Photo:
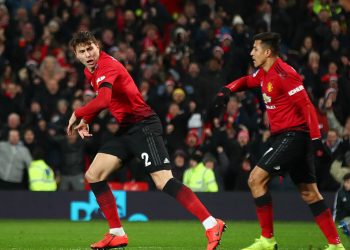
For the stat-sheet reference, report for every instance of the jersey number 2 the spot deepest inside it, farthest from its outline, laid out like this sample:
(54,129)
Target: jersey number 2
(144,156)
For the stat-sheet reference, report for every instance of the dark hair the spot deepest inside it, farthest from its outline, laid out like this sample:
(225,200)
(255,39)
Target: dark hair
(82,37)
(269,39)
(196,157)
(38,153)
(346,177)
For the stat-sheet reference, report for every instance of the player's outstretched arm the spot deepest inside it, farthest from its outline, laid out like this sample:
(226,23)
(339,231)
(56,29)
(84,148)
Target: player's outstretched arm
(219,101)
(222,97)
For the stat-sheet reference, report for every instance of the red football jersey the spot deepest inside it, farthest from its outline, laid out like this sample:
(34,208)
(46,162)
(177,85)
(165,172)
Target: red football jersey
(287,103)
(127,104)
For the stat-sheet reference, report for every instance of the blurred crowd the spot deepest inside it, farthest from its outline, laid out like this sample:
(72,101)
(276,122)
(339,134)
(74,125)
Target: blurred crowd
(180,53)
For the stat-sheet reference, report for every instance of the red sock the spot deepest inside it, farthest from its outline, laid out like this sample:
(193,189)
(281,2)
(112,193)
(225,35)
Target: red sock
(325,222)
(265,217)
(107,203)
(190,201)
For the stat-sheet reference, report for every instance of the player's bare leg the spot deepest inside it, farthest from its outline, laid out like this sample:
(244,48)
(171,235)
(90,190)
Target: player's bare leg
(165,181)
(322,214)
(102,166)
(257,182)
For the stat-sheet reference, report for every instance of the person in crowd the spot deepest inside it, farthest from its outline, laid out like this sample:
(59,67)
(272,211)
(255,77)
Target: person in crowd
(13,122)
(334,148)
(71,170)
(29,140)
(198,177)
(342,200)
(14,162)
(212,163)
(179,164)
(41,176)
(339,169)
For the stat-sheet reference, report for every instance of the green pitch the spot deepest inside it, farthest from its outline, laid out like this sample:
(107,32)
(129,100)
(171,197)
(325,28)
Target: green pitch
(156,235)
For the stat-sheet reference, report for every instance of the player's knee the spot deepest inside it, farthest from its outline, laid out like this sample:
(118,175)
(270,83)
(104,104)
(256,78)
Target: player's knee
(161,178)
(91,177)
(309,196)
(160,186)
(253,182)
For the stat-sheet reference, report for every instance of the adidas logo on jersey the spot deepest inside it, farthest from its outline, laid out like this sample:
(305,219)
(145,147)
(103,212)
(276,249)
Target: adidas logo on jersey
(277,168)
(166,161)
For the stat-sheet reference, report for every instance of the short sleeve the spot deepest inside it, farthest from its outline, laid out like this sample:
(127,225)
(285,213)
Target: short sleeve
(107,73)
(255,79)
(293,86)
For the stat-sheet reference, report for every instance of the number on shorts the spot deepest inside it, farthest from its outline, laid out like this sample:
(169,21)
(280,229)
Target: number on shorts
(144,156)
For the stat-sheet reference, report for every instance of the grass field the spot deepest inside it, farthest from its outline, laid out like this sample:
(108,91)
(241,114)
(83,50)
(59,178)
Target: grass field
(157,235)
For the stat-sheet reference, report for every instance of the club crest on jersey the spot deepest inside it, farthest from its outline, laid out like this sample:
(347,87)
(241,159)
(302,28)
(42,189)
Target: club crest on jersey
(269,87)
(266,98)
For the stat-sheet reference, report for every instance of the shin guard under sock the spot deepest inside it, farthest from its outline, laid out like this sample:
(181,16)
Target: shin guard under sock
(107,203)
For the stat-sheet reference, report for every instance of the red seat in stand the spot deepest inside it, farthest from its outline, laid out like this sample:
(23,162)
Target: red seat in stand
(136,186)
(115,185)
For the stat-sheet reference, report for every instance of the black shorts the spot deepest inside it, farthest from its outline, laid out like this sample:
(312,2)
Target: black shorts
(290,152)
(143,140)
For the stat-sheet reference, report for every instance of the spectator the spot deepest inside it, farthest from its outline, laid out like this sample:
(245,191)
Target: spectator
(51,69)
(179,164)
(71,171)
(13,122)
(60,118)
(236,115)
(210,162)
(198,177)
(338,171)
(331,77)
(14,162)
(29,140)
(192,143)
(215,78)
(332,53)
(34,114)
(14,99)
(179,97)
(41,176)
(196,80)
(176,127)
(342,200)
(305,49)
(312,73)
(334,112)
(244,160)
(333,148)
(23,45)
